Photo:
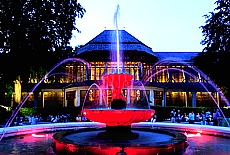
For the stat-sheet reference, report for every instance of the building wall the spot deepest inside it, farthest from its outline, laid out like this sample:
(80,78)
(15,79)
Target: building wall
(141,71)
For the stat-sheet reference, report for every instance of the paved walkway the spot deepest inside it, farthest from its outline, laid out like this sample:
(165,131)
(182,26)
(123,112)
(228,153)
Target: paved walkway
(48,127)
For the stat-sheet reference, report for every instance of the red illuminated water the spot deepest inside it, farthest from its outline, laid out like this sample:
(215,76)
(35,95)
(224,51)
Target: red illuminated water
(122,117)
(198,145)
(117,83)
(113,117)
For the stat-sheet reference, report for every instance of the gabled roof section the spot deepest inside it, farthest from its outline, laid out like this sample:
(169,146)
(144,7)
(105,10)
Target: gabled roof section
(180,56)
(109,36)
(106,41)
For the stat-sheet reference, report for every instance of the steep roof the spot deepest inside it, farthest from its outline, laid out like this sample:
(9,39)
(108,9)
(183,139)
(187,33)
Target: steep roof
(106,41)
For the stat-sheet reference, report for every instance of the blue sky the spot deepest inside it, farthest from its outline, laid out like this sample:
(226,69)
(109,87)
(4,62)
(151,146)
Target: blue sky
(163,25)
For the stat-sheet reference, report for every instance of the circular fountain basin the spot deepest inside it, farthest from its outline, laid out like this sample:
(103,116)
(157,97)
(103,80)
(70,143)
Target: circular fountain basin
(150,141)
(122,117)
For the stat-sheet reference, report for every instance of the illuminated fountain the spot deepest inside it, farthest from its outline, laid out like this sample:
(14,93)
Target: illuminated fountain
(120,118)
(118,136)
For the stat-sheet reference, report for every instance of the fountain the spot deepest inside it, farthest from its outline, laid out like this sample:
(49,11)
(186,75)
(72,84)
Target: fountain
(118,136)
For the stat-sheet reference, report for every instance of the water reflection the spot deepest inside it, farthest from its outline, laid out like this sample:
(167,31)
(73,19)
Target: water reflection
(26,145)
(205,144)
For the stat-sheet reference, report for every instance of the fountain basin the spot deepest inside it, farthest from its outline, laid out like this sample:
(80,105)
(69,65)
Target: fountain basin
(212,136)
(150,141)
(122,117)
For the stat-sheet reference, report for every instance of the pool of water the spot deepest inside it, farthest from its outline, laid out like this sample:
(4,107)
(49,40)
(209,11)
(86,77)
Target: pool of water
(37,145)
(208,145)
(26,145)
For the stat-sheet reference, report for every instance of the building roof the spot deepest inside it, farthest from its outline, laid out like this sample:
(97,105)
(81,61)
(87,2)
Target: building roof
(178,56)
(106,41)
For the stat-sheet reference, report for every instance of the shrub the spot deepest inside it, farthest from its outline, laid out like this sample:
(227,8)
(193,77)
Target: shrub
(28,111)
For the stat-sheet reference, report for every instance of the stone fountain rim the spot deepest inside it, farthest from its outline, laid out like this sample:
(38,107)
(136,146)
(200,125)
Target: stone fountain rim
(125,109)
(178,138)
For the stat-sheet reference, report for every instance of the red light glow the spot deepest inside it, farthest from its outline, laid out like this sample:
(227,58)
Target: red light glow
(118,117)
(117,82)
(39,135)
(192,135)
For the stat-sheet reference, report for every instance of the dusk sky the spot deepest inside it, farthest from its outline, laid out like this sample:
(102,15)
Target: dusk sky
(163,25)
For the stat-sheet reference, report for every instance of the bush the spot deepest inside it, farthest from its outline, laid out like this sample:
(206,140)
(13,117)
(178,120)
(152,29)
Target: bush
(28,111)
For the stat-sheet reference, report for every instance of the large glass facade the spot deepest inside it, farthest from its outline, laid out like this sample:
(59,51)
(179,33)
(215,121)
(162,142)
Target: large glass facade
(160,73)
(175,73)
(98,69)
(75,73)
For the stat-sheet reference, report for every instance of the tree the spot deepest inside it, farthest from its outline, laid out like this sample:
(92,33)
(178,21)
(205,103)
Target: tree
(216,32)
(32,30)
(31,33)
(215,56)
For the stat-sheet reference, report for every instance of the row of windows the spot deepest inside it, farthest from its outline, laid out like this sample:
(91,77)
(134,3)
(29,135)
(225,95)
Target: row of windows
(140,71)
(173,98)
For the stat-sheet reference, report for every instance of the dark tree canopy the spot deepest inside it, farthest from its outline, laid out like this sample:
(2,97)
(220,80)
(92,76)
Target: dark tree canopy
(215,57)
(216,32)
(32,31)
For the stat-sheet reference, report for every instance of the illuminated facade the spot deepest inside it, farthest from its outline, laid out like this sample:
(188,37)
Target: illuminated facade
(171,86)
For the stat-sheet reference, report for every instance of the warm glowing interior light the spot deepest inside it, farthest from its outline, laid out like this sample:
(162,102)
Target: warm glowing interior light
(17,90)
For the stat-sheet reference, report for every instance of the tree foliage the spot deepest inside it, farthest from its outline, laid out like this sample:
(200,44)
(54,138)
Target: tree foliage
(215,56)
(32,31)
(216,31)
